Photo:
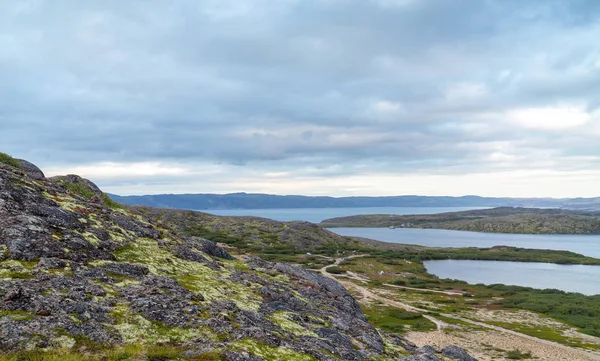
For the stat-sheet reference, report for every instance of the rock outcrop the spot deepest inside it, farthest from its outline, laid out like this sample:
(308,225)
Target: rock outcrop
(81,274)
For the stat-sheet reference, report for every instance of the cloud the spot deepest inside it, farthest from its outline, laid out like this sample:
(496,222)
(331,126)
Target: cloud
(549,118)
(153,94)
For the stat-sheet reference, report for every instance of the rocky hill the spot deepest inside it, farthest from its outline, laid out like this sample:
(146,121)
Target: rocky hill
(249,233)
(82,278)
(497,220)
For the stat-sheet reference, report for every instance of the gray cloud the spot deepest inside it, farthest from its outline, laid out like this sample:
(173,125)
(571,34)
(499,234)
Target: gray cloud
(338,86)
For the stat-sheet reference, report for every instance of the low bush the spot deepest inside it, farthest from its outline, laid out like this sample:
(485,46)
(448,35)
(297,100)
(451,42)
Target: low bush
(7,159)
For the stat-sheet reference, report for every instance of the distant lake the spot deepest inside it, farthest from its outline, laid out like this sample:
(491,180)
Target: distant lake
(582,244)
(570,278)
(316,215)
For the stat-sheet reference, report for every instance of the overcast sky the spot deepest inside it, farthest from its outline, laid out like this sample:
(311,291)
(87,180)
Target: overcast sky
(315,97)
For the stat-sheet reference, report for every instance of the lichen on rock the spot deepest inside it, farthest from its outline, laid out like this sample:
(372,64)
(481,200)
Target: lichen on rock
(78,271)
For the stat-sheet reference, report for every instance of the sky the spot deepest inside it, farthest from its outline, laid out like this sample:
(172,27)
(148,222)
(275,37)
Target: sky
(313,97)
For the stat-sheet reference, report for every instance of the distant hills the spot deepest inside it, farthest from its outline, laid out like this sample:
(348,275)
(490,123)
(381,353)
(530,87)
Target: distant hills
(270,201)
(495,220)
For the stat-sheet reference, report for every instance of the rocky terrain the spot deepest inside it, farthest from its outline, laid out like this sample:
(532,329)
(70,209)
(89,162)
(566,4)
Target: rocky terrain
(83,278)
(252,233)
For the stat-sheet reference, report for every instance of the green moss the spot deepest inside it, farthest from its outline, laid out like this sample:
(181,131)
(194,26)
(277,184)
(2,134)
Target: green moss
(63,342)
(109,202)
(4,252)
(80,188)
(7,159)
(391,348)
(163,352)
(212,284)
(134,328)
(17,315)
(122,353)
(283,320)
(91,238)
(270,353)
(13,269)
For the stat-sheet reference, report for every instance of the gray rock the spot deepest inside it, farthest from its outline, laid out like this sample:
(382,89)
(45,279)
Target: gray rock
(457,353)
(31,169)
(426,349)
(78,272)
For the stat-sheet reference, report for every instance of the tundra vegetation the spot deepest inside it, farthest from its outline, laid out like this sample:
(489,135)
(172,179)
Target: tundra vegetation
(402,266)
(84,278)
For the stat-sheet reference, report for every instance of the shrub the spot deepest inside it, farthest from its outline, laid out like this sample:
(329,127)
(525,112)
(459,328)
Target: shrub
(7,159)
(518,355)
(336,270)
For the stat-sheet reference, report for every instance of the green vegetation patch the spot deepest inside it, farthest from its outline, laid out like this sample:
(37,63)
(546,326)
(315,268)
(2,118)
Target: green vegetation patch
(395,320)
(212,284)
(518,355)
(160,352)
(7,159)
(17,315)
(85,191)
(576,309)
(135,329)
(283,320)
(270,353)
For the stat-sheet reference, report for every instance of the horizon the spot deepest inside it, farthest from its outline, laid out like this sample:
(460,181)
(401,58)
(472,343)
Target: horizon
(336,197)
(319,98)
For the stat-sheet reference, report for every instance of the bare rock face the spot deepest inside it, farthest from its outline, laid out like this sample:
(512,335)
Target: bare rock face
(77,270)
(31,169)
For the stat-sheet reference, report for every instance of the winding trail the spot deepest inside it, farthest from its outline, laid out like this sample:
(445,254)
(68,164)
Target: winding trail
(451,293)
(368,294)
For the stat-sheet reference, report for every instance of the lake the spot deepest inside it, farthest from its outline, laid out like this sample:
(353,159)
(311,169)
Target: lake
(570,278)
(588,245)
(316,215)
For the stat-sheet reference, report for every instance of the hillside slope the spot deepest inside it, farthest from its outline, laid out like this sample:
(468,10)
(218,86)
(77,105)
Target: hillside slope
(250,233)
(91,280)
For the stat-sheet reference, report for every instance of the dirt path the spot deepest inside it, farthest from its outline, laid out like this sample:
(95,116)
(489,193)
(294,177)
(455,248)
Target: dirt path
(370,295)
(545,348)
(323,270)
(451,293)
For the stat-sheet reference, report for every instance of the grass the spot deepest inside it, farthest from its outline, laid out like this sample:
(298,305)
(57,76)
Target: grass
(394,320)
(7,159)
(576,310)
(122,353)
(546,333)
(83,190)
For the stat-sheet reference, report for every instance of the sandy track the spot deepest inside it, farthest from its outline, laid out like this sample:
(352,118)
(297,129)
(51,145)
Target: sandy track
(496,336)
(450,293)
(481,345)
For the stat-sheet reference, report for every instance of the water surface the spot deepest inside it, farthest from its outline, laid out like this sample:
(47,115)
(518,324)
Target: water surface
(570,278)
(582,244)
